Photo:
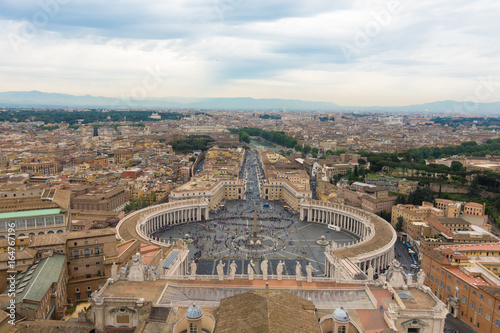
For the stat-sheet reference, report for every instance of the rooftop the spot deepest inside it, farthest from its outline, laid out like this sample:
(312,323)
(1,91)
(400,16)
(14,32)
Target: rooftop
(34,283)
(30,213)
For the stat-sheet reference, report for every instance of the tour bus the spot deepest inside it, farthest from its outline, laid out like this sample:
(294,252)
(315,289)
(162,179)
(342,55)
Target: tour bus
(333,227)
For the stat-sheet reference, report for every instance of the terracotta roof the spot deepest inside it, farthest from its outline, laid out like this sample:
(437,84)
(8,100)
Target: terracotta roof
(475,281)
(91,233)
(495,247)
(62,198)
(438,256)
(451,220)
(495,291)
(46,240)
(474,204)
(439,227)
(27,253)
(271,311)
(53,326)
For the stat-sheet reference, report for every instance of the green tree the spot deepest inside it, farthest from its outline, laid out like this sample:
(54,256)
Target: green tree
(244,137)
(474,189)
(420,195)
(399,224)
(456,166)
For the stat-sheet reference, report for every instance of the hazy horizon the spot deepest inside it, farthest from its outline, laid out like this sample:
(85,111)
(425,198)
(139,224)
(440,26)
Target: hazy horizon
(385,53)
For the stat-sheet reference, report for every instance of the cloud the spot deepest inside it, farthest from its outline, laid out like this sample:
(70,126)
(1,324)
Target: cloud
(348,52)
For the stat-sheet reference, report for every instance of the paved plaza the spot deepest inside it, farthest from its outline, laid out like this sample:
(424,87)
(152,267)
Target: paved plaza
(229,233)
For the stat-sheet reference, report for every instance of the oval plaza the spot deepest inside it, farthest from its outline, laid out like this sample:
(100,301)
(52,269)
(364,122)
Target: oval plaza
(262,242)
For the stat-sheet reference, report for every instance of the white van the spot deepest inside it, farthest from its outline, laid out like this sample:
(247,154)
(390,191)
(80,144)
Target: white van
(333,227)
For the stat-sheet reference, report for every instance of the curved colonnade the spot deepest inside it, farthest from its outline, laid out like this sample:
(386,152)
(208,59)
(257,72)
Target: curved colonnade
(155,218)
(377,237)
(375,247)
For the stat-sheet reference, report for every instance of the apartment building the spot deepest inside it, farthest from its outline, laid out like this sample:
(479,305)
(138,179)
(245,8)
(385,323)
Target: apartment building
(466,278)
(106,199)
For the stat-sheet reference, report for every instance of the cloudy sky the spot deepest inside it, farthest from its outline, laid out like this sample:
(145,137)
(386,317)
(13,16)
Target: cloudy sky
(350,52)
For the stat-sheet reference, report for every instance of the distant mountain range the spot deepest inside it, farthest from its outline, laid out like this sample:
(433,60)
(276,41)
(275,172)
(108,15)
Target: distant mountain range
(41,99)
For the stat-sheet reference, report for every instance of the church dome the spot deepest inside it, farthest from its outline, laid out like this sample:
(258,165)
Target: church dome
(340,315)
(194,312)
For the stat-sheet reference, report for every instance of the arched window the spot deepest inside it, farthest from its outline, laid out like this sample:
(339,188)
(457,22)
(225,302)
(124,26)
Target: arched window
(193,328)
(75,253)
(342,329)
(96,250)
(86,251)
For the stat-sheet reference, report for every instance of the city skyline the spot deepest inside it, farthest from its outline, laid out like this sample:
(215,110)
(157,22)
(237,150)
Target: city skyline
(388,53)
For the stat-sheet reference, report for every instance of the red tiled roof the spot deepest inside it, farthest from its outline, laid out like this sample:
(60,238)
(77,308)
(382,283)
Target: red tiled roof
(475,281)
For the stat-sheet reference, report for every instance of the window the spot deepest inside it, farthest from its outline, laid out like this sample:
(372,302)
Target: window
(75,253)
(86,251)
(59,219)
(480,310)
(49,220)
(488,316)
(473,305)
(447,288)
(474,292)
(96,250)
(77,290)
(17,223)
(489,301)
(497,322)
(193,328)
(342,329)
(76,268)
(465,286)
(31,222)
(464,299)
(88,288)
(481,296)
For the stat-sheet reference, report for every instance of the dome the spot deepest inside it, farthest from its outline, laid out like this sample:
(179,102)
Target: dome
(340,315)
(194,312)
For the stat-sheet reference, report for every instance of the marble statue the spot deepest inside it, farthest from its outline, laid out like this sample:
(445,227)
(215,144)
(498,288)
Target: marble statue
(420,277)
(136,272)
(279,270)
(298,271)
(395,275)
(220,270)
(250,267)
(123,273)
(263,268)
(233,267)
(114,271)
(193,268)
(309,269)
(371,272)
